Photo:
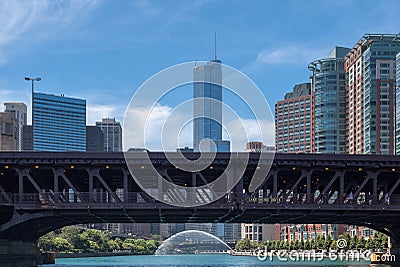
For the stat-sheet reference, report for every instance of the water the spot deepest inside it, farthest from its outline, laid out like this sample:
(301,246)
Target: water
(209,260)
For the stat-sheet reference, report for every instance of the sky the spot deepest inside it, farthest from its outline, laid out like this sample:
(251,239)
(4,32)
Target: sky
(103,50)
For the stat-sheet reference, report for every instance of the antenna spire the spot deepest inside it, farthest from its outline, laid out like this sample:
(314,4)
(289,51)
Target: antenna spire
(215,45)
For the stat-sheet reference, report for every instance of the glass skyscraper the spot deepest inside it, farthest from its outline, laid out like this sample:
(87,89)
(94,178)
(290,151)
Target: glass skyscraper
(207,127)
(59,123)
(329,89)
(370,69)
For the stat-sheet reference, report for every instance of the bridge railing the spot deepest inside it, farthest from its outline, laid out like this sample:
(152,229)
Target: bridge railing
(62,198)
(57,198)
(292,198)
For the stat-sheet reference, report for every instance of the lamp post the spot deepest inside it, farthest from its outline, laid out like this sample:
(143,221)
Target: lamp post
(33,80)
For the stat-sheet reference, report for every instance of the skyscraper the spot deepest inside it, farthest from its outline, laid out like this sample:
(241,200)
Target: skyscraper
(207,108)
(8,132)
(370,68)
(94,138)
(59,123)
(329,89)
(27,138)
(20,112)
(293,121)
(112,132)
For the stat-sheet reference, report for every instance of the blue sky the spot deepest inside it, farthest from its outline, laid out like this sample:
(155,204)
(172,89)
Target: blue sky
(103,50)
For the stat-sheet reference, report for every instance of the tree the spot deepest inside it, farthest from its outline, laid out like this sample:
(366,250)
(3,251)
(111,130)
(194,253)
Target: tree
(46,242)
(243,244)
(61,244)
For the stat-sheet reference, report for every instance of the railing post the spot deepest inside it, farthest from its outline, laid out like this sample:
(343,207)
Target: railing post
(341,188)
(375,188)
(56,189)
(126,186)
(90,185)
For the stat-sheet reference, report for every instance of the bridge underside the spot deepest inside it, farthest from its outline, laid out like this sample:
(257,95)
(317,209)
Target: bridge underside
(40,192)
(28,225)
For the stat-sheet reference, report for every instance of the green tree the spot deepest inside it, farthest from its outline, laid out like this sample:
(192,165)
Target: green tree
(62,245)
(113,245)
(46,242)
(243,244)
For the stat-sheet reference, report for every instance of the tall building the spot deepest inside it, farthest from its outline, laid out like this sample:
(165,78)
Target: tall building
(370,70)
(293,121)
(207,108)
(94,138)
(27,138)
(59,123)
(112,132)
(310,231)
(258,232)
(8,132)
(398,104)
(329,89)
(20,112)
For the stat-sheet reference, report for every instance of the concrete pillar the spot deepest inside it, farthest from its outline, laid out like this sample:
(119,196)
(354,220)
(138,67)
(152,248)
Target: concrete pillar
(18,253)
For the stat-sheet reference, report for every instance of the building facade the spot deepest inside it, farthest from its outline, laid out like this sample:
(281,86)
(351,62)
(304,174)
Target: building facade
(59,123)
(258,232)
(112,132)
(20,112)
(207,108)
(310,231)
(8,132)
(329,89)
(27,138)
(293,121)
(94,138)
(370,70)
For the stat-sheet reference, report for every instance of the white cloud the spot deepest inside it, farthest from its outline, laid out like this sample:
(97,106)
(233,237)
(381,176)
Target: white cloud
(38,19)
(292,55)
(178,130)
(97,112)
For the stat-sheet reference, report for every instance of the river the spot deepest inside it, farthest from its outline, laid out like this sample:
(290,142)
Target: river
(209,260)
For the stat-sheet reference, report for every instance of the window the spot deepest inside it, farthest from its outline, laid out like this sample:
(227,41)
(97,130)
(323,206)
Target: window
(6,128)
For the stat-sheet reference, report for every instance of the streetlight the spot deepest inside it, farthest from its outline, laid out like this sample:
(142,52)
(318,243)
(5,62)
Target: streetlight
(33,80)
(38,79)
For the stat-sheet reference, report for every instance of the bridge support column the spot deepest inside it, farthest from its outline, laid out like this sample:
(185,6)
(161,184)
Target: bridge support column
(394,247)
(18,253)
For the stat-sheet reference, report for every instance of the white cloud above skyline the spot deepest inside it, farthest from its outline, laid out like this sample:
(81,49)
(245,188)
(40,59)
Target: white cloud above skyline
(38,20)
(151,126)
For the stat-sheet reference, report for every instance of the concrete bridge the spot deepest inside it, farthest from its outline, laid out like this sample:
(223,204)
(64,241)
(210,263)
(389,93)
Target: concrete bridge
(41,192)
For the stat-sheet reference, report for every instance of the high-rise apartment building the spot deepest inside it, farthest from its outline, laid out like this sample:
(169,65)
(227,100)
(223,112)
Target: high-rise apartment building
(295,232)
(94,138)
(293,121)
(370,70)
(27,138)
(258,232)
(329,89)
(207,108)
(112,132)
(59,123)
(8,132)
(20,112)
(398,104)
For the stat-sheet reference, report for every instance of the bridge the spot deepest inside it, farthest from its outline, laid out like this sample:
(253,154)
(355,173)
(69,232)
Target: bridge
(43,191)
